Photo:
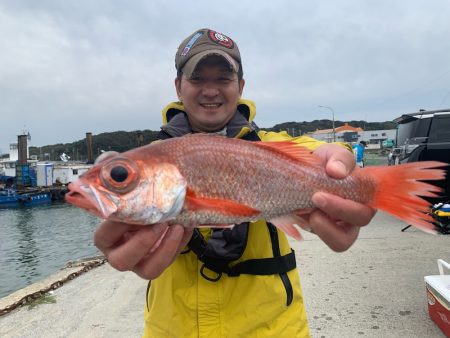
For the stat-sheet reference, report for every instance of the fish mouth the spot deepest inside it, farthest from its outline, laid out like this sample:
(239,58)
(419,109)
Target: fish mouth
(90,199)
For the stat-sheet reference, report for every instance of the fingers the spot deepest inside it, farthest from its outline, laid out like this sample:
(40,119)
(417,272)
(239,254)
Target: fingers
(126,253)
(110,232)
(338,161)
(146,250)
(157,261)
(337,237)
(186,238)
(337,221)
(349,211)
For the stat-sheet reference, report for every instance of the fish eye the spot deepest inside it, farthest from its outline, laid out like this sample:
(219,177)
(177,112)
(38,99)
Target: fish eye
(119,173)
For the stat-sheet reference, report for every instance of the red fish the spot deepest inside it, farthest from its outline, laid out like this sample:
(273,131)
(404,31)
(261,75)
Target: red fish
(203,180)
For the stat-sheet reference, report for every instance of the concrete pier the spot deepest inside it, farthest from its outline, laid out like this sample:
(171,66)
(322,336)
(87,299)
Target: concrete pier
(375,289)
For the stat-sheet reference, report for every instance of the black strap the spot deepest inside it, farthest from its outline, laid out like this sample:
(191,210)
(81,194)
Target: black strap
(276,253)
(264,266)
(148,290)
(261,266)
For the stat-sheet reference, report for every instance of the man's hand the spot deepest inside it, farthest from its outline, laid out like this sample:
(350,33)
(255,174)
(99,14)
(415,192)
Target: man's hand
(145,250)
(337,220)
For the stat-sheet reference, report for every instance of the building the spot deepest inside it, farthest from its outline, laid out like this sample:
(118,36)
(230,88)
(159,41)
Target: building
(374,138)
(349,134)
(345,133)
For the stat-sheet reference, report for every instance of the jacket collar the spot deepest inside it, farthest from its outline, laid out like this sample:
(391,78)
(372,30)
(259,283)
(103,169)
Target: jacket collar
(176,123)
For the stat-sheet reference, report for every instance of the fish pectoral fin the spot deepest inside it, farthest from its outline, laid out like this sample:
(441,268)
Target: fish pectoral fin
(224,207)
(293,150)
(292,223)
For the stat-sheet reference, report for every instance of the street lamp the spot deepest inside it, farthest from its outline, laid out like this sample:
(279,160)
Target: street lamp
(332,113)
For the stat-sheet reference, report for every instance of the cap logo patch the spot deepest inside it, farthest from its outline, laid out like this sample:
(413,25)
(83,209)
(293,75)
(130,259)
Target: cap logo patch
(221,39)
(190,43)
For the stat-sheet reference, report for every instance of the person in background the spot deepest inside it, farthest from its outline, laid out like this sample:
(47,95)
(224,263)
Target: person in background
(358,150)
(239,282)
(391,159)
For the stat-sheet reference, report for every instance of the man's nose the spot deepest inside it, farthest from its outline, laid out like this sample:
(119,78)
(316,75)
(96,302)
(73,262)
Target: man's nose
(210,89)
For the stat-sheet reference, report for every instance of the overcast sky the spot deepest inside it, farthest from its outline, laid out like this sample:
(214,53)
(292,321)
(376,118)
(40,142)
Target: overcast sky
(71,67)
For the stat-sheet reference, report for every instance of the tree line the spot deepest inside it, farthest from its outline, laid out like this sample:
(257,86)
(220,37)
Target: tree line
(121,141)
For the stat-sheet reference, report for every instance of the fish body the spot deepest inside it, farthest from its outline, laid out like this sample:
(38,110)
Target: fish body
(203,180)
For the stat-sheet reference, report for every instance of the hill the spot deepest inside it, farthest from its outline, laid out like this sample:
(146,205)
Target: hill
(300,128)
(121,141)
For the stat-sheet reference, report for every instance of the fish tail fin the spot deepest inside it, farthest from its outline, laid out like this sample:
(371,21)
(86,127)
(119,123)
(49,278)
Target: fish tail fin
(400,190)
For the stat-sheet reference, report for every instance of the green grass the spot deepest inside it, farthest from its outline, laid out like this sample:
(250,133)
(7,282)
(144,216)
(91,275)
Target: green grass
(375,159)
(45,299)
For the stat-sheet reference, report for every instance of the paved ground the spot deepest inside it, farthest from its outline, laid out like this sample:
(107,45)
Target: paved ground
(375,289)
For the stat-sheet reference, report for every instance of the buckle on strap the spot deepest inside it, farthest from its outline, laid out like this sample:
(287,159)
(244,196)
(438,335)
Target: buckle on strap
(202,272)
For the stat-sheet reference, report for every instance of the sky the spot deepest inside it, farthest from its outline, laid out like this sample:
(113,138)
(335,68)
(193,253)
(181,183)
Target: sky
(71,67)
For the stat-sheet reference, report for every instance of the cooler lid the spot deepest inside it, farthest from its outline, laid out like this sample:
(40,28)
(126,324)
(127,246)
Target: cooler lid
(441,283)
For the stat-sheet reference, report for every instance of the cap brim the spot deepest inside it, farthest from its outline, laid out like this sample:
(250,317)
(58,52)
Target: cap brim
(193,62)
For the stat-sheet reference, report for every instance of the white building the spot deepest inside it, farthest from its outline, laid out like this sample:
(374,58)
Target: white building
(69,172)
(374,138)
(349,134)
(345,133)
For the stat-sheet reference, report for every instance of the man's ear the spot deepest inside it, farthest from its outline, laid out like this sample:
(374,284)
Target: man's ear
(178,87)
(241,86)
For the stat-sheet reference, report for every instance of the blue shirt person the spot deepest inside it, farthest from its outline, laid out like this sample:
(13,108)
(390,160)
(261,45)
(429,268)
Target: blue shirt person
(358,150)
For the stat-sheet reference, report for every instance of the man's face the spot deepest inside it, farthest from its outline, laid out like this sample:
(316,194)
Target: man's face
(210,96)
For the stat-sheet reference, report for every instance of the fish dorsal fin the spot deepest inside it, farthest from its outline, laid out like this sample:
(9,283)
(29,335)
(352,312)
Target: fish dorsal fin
(293,150)
(221,206)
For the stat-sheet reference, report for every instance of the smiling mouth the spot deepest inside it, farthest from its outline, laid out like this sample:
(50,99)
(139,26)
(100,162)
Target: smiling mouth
(210,105)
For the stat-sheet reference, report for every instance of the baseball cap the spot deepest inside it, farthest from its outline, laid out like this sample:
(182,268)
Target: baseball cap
(203,43)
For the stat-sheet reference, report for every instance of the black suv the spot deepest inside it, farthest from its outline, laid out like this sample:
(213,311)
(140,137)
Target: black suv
(424,136)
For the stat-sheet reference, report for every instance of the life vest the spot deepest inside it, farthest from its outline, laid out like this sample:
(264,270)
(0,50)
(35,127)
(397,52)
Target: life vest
(225,246)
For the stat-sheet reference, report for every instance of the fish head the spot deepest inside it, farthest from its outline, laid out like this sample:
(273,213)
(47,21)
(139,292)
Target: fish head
(130,190)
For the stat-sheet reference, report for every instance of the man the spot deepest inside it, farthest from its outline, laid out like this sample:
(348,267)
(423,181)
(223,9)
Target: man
(358,151)
(226,283)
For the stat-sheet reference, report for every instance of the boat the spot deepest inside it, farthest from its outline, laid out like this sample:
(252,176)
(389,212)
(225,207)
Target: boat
(11,198)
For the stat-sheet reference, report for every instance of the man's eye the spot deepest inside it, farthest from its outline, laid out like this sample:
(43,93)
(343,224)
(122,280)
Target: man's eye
(225,80)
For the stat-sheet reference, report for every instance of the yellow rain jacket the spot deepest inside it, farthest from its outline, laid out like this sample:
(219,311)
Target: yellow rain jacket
(186,301)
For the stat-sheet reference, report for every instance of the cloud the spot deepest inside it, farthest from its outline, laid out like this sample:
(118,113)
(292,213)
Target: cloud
(71,67)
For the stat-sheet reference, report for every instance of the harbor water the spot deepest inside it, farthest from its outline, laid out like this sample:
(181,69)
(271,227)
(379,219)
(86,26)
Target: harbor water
(38,241)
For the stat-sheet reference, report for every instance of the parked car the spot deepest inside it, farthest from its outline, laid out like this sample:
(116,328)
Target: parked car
(388,143)
(424,136)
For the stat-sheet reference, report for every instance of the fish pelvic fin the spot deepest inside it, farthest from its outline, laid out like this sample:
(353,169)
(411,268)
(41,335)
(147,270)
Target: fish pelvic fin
(399,190)
(292,150)
(292,223)
(221,206)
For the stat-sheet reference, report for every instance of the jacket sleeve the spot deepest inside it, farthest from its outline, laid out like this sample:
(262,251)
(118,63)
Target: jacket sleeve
(305,141)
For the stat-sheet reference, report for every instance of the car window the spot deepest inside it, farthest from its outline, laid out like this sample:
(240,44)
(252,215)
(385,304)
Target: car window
(413,131)
(440,129)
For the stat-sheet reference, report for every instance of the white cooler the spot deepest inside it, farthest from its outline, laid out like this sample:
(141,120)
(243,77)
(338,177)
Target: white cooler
(438,294)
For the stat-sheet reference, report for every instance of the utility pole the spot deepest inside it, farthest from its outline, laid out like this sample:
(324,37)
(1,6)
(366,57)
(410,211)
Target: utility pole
(332,113)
